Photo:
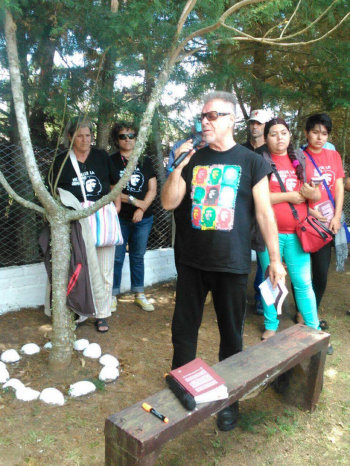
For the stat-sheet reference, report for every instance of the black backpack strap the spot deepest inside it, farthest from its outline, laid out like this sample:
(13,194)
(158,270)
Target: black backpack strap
(283,189)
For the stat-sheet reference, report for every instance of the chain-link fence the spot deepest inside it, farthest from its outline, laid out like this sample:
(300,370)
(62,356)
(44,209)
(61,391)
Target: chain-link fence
(20,227)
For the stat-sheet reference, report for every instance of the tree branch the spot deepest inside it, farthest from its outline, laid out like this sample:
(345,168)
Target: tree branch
(315,21)
(17,92)
(290,19)
(19,199)
(213,27)
(263,40)
(184,15)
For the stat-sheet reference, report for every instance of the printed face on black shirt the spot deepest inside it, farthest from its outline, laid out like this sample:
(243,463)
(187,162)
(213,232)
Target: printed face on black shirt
(93,185)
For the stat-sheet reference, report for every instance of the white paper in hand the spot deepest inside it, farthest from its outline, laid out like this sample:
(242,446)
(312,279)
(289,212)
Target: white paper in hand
(272,295)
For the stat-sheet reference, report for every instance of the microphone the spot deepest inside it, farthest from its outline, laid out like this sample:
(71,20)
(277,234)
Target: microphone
(186,399)
(196,141)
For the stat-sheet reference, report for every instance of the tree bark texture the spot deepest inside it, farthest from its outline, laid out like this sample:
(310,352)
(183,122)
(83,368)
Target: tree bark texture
(62,332)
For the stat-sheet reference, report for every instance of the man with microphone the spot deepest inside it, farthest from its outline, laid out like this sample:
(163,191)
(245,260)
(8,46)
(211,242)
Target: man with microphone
(215,255)
(196,132)
(179,151)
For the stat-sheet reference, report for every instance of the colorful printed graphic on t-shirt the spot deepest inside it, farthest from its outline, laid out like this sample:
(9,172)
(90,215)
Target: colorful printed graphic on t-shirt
(214,193)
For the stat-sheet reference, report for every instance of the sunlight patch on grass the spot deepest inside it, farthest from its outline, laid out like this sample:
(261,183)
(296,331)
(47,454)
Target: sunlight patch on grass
(331,373)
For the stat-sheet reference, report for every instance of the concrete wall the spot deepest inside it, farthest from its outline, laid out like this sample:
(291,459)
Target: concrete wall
(24,286)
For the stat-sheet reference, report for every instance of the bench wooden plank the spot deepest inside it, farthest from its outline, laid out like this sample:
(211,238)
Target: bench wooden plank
(134,436)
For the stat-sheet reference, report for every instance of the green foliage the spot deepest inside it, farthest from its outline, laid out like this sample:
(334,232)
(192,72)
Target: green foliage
(81,57)
(100,386)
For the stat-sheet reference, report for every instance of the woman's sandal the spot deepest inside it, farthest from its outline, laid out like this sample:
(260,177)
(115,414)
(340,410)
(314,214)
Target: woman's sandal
(101,325)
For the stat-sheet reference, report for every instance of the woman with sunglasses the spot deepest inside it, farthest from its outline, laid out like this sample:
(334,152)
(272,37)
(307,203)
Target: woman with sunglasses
(136,216)
(290,166)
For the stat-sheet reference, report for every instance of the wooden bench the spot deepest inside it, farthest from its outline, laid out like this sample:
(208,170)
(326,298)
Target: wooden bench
(135,437)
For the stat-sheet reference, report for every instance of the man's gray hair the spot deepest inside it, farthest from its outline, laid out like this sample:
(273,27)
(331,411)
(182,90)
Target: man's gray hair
(221,95)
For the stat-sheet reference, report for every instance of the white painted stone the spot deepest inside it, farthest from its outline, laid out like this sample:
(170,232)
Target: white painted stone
(10,356)
(52,396)
(92,351)
(4,375)
(48,345)
(27,394)
(13,383)
(109,360)
(81,344)
(30,348)
(108,374)
(2,365)
(81,388)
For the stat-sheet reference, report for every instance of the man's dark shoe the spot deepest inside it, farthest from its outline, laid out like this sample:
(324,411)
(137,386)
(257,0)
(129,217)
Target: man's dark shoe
(228,417)
(324,324)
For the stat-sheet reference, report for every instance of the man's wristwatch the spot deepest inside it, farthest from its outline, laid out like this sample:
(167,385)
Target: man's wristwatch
(131,200)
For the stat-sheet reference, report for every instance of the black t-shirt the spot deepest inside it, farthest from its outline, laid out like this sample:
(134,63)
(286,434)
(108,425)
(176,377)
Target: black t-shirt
(216,213)
(98,174)
(258,150)
(137,185)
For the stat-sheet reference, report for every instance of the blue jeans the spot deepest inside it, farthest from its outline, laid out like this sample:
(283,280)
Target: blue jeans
(136,236)
(298,264)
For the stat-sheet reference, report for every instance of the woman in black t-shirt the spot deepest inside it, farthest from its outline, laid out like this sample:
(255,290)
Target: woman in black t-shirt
(136,216)
(98,176)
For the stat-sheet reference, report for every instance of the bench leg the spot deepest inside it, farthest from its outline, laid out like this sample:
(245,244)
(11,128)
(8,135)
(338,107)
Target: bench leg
(116,456)
(302,384)
(314,379)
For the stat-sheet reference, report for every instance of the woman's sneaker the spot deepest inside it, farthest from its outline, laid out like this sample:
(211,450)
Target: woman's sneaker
(142,302)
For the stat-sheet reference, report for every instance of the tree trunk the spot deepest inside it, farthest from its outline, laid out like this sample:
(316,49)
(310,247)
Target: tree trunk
(13,129)
(106,107)
(158,156)
(298,126)
(345,130)
(259,67)
(62,331)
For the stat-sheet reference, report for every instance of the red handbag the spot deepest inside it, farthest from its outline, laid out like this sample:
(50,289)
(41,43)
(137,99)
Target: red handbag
(313,235)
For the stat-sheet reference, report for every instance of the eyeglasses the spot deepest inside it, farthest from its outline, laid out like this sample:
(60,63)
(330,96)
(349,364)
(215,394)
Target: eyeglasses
(213,115)
(126,135)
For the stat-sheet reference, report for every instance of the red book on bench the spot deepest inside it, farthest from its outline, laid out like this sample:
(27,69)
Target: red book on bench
(201,381)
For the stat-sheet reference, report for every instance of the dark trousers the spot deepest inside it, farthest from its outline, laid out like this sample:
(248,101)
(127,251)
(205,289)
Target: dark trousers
(320,261)
(229,298)
(258,280)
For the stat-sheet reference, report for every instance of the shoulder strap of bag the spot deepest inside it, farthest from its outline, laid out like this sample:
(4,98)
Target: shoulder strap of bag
(75,164)
(283,189)
(323,181)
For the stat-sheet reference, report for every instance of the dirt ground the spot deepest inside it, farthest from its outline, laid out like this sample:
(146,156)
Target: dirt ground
(269,432)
